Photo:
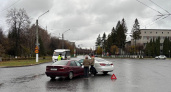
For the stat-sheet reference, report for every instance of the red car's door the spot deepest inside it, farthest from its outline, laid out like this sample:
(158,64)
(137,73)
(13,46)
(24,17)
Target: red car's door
(81,70)
(74,68)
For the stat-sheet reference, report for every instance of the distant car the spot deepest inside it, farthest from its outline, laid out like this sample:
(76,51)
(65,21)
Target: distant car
(161,57)
(101,65)
(80,59)
(64,69)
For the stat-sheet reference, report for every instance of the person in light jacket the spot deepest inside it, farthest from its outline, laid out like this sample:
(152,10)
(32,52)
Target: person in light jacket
(60,57)
(86,64)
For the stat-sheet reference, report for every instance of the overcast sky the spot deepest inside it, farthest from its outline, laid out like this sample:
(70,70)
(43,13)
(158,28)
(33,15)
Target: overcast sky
(86,19)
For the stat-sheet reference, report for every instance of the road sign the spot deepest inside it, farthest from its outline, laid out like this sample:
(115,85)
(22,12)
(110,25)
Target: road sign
(36,51)
(37,48)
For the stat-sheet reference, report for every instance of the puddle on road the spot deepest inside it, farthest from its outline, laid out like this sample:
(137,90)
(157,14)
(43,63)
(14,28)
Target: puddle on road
(1,84)
(26,78)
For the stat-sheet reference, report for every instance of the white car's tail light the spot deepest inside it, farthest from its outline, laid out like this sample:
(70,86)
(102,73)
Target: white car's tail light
(102,64)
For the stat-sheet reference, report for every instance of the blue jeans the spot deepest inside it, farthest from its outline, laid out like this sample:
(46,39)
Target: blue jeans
(86,72)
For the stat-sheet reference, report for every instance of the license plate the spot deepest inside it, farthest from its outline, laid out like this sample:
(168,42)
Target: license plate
(107,64)
(53,69)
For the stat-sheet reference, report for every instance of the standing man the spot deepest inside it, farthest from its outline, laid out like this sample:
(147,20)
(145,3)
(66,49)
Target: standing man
(59,57)
(92,69)
(86,64)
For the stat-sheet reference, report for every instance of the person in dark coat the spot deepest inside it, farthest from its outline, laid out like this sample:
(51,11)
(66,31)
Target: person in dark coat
(92,69)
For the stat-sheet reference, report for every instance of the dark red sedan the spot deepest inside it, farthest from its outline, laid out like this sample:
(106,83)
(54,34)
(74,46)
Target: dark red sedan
(64,68)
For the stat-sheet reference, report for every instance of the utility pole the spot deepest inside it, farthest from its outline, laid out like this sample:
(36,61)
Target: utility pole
(37,38)
(62,41)
(63,38)
(37,43)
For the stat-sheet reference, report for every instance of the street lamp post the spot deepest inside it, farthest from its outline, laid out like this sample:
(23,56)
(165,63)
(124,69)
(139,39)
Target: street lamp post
(63,38)
(37,42)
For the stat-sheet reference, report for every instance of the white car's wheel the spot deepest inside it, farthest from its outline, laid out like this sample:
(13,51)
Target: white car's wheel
(105,73)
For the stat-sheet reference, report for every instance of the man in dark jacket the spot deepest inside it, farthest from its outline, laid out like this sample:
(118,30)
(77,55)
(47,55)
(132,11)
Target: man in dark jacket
(92,69)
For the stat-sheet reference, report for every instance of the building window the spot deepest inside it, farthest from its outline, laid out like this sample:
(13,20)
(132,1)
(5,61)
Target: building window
(144,32)
(162,32)
(150,32)
(168,32)
(156,32)
(145,37)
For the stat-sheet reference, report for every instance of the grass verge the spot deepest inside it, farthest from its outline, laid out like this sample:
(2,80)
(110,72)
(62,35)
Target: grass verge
(13,63)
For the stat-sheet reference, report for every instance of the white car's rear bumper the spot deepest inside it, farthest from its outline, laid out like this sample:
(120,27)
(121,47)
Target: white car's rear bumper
(105,69)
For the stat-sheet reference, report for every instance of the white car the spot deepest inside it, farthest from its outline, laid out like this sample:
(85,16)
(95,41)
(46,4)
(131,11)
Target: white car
(101,65)
(161,57)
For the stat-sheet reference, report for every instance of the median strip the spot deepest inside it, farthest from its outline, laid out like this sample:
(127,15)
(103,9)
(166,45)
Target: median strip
(20,63)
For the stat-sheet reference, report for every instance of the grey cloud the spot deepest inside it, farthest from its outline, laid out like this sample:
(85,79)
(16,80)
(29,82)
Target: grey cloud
(88,18)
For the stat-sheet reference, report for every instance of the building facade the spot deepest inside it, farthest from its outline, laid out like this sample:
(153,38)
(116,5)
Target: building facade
(148,34)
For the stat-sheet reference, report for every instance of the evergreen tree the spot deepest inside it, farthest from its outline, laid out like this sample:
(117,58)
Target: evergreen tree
(98,41)
(124,25)
(170,47)
(118,25)
(136,31)
(108,43)
(157,47)
(103,40)
(151,48)
(166,47)
(113,37)
(121,37)
(147,49)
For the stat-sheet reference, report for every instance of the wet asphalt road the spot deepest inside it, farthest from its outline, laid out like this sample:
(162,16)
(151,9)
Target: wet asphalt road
(133,75)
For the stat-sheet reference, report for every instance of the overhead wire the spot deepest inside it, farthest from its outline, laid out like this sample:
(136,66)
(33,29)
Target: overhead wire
(159,6)
(162,16)
(166,15)
(149,7)
(10,6)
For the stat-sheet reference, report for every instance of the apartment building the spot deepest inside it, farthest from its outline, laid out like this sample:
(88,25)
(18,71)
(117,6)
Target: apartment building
(148,34)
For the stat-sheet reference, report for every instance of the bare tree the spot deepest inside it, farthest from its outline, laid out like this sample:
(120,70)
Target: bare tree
(18,21)
(1,42)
